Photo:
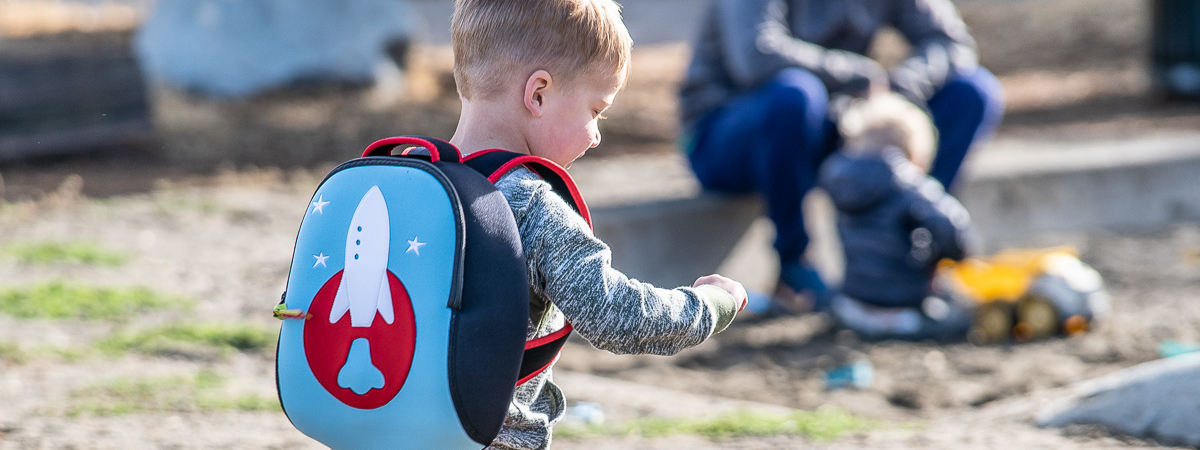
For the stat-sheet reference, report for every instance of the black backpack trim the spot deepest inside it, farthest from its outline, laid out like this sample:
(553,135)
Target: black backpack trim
(487,335)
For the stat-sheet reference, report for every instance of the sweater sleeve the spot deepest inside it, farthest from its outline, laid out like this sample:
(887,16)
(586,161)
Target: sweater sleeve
(941,48)
(950,232)
(573,269)
(758,43)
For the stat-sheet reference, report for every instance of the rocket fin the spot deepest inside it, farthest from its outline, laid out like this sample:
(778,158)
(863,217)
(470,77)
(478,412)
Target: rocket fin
(385,300)
(341,302)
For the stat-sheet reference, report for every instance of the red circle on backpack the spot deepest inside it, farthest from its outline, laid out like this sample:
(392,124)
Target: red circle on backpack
(327,345)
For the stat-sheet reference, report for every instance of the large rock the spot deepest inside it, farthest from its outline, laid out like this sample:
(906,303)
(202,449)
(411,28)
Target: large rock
(235,48)
(1159,400)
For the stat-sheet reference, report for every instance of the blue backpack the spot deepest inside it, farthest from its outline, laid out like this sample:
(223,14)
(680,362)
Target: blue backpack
(409,300)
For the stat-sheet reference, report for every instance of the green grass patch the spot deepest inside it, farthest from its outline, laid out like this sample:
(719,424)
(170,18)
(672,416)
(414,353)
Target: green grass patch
(193,339)
(178,394)
(62,300)
(824,424)
(63,353)
(76,252)
(12,353)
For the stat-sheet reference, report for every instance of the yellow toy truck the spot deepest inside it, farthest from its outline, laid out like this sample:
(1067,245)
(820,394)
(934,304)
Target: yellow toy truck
(1029,294)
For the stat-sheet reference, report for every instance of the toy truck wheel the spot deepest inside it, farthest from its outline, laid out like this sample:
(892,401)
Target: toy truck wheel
(993,323)
(1037,318)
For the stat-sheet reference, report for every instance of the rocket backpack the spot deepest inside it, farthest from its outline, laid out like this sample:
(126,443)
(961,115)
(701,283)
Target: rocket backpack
(407,303)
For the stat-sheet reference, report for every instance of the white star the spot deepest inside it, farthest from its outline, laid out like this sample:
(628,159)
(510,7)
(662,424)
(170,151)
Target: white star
(320,260)
(319,205)
(415,246)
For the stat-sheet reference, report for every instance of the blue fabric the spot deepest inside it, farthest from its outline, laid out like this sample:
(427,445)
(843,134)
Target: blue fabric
(772,140)
(769,141)
(965,111)
(895,224)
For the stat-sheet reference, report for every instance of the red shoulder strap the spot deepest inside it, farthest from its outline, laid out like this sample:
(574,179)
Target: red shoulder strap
(495,163)
(542,352)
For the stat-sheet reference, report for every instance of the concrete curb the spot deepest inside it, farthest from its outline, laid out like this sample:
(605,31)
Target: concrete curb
(1021,188)
(671,242)
(1014,189)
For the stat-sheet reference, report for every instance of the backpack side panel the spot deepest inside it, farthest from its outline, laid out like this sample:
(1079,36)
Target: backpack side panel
(488,333)
(540,353)
(341,373)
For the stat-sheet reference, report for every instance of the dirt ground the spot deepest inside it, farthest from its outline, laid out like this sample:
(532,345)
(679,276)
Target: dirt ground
(222,236)
(223,241)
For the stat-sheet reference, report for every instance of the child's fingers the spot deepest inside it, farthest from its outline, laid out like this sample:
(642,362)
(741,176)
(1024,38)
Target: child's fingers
(739,293)
(743,295)
(715,280)
(732,287)
(707,279)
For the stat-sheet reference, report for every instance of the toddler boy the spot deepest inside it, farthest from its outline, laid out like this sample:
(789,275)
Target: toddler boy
(534,77)
(895,222)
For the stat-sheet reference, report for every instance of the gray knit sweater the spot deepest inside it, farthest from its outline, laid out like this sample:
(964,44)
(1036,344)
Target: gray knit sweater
(744,43)
(572,279)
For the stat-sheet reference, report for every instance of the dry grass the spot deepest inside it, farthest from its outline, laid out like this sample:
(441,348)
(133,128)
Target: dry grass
(68,300)
(179,394)
(824,424)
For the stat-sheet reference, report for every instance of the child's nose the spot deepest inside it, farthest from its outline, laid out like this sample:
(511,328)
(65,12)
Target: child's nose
(595,140)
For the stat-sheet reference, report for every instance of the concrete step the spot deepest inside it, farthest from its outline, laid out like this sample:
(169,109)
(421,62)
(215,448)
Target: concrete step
(1019,187)
(664,230)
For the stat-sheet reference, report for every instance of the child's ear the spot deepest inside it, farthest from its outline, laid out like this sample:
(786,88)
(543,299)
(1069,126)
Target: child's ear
(535,92)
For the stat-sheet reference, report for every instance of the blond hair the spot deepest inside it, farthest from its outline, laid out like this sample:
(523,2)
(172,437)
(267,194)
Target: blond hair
(884,120)
(497,40)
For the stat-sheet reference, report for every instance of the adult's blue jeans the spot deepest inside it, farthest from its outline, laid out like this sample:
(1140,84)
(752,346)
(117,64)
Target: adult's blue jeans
(772,141)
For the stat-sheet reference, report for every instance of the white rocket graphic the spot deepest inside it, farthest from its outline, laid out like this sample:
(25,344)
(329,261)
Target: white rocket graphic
(364,289)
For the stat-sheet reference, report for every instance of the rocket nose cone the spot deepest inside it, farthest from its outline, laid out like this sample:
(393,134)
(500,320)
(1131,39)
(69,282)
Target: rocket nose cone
(371,217)
(372,199)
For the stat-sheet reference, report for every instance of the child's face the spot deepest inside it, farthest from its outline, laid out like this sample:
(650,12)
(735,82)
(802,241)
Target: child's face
(568,126)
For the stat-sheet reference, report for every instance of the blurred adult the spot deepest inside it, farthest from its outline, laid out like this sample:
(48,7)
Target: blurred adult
(758,102)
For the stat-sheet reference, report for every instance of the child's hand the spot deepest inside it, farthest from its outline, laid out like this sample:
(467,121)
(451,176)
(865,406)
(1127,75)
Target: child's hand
(736,289)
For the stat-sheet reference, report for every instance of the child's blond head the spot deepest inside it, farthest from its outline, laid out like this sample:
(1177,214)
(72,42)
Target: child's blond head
(889,120)
(498,40)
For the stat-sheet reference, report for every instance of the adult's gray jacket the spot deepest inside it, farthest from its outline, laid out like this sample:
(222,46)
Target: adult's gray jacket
(744,43)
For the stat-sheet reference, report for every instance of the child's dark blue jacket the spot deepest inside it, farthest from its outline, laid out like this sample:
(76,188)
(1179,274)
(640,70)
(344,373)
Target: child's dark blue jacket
(895,224)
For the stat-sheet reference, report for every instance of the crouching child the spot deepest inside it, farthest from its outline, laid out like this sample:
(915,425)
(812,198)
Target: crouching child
(895,223)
